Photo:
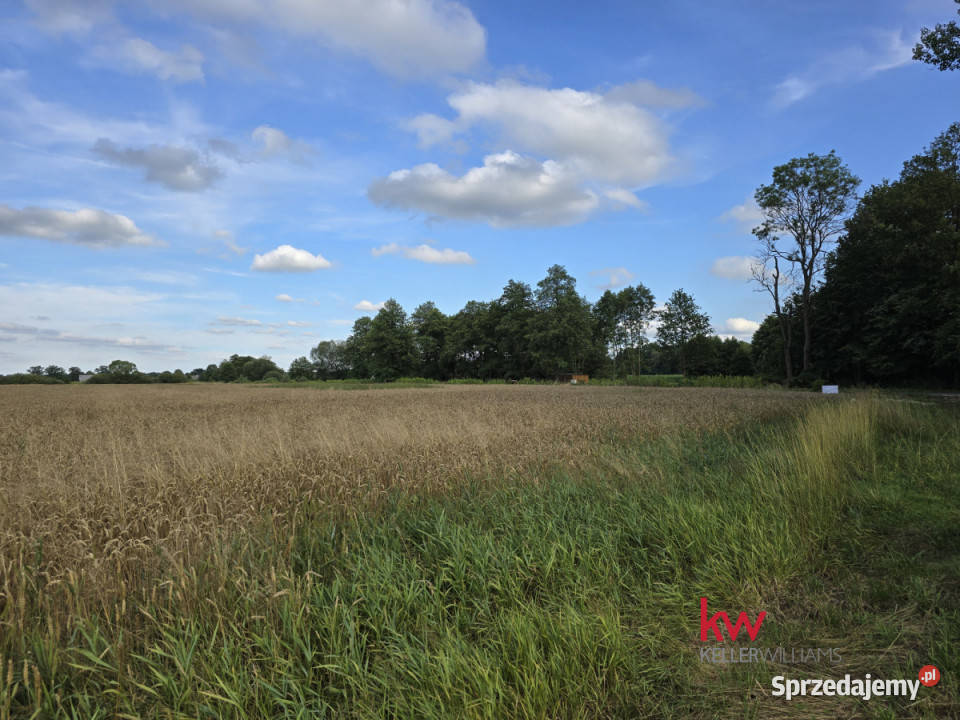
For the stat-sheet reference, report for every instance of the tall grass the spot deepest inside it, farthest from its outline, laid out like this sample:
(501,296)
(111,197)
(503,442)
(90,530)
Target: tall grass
(561,589)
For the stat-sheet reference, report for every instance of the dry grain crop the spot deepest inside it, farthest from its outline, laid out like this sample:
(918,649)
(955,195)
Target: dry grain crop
(105,488)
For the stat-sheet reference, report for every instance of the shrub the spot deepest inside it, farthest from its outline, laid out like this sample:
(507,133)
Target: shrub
(29,379)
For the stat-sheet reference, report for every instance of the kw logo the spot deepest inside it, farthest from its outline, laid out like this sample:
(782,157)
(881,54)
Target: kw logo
(732,630)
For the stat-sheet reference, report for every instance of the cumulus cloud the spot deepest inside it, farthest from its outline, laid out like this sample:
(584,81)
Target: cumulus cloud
(616,277)
(882,51)
(287,258)
(748,215)
(733,267)
(274,142)
(406,39)
(367,306)
(508,190)
(604,137)
(90,227)
(283,297)
(136,55)
(425,253)
(741,326)
(177,168)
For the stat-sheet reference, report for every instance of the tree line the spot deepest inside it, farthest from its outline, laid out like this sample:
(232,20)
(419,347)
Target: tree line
(882,305)
(544,333)
(541,333)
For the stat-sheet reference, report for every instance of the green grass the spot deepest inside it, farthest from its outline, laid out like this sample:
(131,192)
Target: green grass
(559,596)
(730,381)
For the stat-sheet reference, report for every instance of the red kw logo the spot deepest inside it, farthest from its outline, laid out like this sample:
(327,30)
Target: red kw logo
(732,630)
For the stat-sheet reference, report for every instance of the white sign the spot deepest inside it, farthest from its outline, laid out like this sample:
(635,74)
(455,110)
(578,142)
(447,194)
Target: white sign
(830,389)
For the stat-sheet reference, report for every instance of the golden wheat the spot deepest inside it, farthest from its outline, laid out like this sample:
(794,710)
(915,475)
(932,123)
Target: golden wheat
(104,489)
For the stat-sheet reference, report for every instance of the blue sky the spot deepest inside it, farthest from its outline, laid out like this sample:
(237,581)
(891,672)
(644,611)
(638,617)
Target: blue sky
(185,179)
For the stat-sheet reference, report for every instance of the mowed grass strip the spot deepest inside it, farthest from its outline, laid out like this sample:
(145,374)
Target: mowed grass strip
(568,591)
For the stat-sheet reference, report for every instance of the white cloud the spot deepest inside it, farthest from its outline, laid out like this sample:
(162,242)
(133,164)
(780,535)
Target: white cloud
(508,190)
(426,253)
(603,137)
(405,38)
(431,129)
(625,198)
(283,297)
(885,50)
(367,306)
(274,142)
(287,258)
(69,16)
(734,267)
(139,342)
(238,321)
(616,277)
(298,323)
(228,240)
(136,55)
(748,215)
(741,326)
(178,168)
(90,227)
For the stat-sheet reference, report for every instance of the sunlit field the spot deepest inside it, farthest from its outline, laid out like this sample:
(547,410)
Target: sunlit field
(464,551)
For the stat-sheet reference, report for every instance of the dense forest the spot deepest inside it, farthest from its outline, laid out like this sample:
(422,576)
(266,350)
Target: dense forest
(887,311)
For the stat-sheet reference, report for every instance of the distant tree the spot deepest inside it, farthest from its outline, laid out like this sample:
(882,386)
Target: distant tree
(356,353)
(621,321)
(607,330)
(55,371)
(808,200)
(429,336)
(122,368)
(301,369)
(74,374)
(513,320)
(774,272)
(681,321)
(890,306)
(211,373)
(35,370)
(329,360)
(255,369)
(561,337)
(940,46)
(389,343)
(470,345)
(636,312)
(735,358)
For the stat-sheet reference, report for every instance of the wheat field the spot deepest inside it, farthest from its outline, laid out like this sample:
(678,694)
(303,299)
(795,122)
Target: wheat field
(493,551)
(104,481)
